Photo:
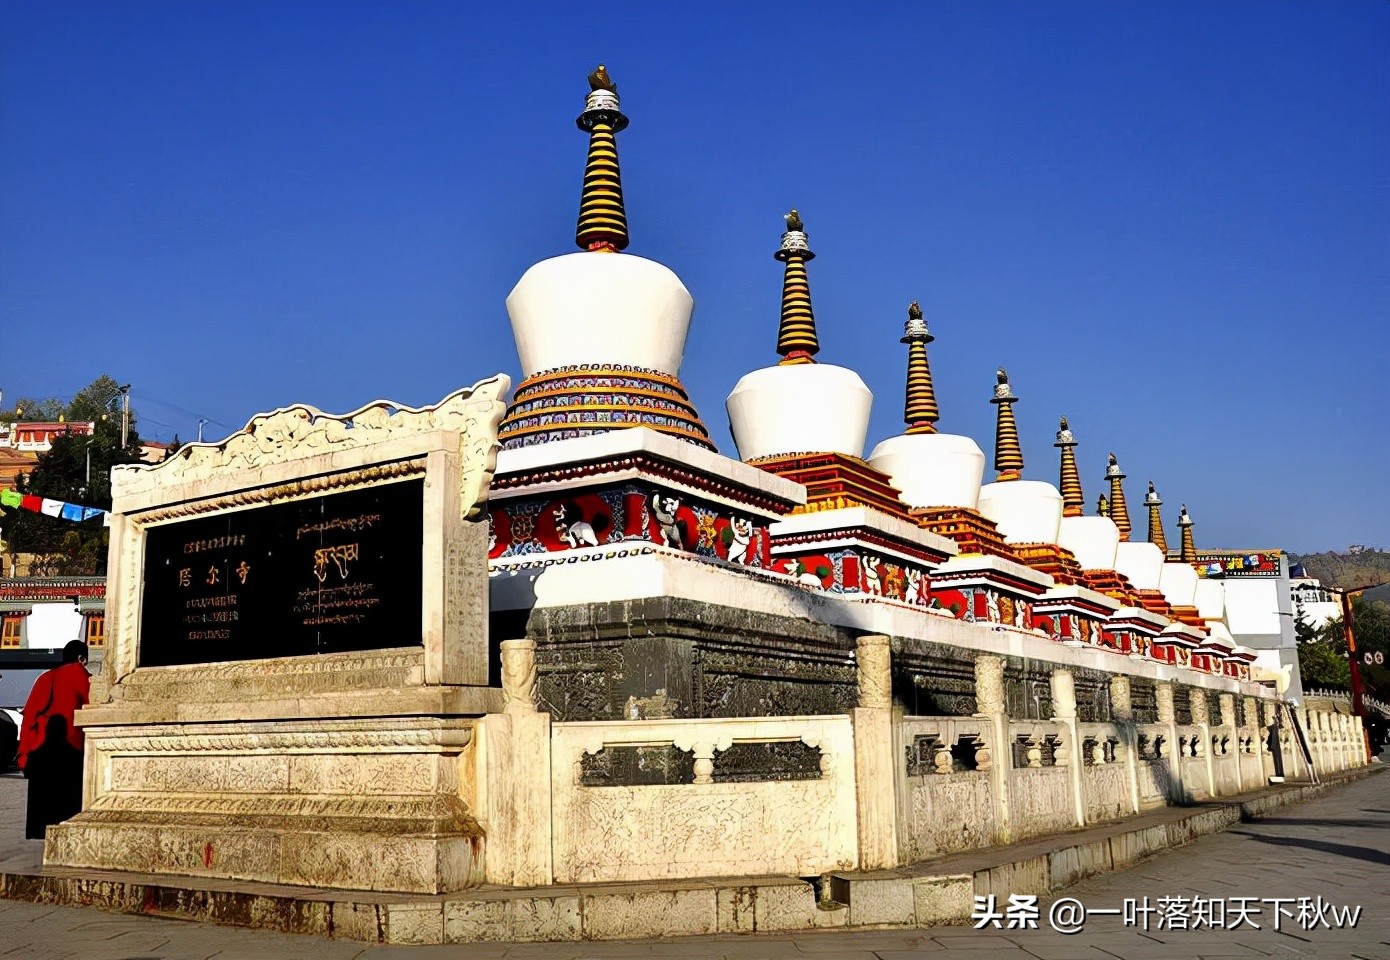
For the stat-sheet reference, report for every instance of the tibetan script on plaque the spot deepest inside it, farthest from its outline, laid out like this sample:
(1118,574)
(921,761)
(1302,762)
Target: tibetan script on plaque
(324,575)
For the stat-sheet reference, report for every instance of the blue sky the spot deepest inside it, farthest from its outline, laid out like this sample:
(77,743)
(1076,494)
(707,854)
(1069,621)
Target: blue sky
(1169,221)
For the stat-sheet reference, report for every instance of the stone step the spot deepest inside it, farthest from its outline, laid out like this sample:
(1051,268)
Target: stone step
(939,891)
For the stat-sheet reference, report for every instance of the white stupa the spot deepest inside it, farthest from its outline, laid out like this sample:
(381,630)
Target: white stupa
(1026,511)
(1092,540)
(798,406)
(600,334)
(1141,563)
(1177,581)
(930,469)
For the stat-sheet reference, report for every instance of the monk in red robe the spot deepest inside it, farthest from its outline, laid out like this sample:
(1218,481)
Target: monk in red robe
(50,743)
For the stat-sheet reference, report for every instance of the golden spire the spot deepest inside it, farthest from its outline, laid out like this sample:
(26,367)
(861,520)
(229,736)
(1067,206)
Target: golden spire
(1073,501)
(921,413)
(1156,536)
(1189,549)
(602,219)
(796,336)
(1119,510)
(1008,456)
(1102,506)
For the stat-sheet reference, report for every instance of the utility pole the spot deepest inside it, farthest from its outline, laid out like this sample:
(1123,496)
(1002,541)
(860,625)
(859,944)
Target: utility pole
(1358,708)
(125,416)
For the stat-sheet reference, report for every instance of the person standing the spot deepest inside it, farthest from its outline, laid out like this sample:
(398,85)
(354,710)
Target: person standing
(50,743)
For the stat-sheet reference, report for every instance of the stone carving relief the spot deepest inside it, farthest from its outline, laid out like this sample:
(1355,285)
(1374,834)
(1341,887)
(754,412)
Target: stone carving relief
(299,431)
(518,675)
(875,671)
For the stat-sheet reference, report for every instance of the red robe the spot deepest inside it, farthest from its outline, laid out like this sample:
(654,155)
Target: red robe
(57,692)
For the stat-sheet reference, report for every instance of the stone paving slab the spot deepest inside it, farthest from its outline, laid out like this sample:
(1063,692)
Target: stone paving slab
(1340,847)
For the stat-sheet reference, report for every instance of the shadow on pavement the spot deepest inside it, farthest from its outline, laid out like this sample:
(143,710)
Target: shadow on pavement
(1336,849)
(1275,819)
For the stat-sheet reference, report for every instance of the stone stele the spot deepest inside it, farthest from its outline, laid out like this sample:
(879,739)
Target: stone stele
(335,768)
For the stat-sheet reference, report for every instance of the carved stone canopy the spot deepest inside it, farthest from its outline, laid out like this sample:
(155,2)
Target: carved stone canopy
(301,431)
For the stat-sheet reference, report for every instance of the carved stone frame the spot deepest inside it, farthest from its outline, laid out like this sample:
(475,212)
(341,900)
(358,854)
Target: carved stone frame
(298,453)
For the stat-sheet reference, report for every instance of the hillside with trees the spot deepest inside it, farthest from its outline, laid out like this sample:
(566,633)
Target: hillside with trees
(1354,567)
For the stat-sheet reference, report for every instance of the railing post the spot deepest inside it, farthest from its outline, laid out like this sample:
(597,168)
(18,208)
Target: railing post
(1163,695)
(1064,712)
(1227,702)
(1197,704)
(875,758)
(1122,709)
(989,706)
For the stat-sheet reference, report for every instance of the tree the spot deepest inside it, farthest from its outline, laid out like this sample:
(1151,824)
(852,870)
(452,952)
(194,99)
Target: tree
(98,400)
(77,469)
(1322,656)
(33,408)
(1371,622)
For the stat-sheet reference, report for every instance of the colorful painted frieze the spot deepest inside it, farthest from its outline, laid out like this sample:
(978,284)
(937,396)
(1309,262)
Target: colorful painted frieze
(618,513)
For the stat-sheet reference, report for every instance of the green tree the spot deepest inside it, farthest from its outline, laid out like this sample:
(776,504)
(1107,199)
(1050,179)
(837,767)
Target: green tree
(35,408)
(1371,622)
(1322,656)
(98,400)
(77,470)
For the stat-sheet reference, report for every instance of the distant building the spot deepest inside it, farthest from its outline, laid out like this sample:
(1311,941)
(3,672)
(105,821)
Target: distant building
(37,436)
(1259,606)
(38,617)
(1312,601)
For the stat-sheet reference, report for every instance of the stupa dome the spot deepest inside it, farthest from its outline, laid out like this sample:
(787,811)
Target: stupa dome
(600,334)
(930,469)
(1026,511)
(801,408)
(798,406)
(1142,563)
(1178,581)
(1093,540)
(601,309)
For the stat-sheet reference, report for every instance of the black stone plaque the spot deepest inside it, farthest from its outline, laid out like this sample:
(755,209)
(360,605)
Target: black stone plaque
(324,575)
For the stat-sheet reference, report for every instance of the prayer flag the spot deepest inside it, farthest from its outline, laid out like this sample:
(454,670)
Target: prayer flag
(51,508)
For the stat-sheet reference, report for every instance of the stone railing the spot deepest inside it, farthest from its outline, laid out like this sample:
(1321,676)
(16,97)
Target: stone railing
(1341,697)
(945,788)
(1041,793)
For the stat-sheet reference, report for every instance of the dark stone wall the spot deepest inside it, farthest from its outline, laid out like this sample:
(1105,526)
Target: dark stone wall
(711,660)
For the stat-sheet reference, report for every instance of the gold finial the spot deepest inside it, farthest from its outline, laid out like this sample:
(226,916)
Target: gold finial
(1156,537)
(920,413)
(602,216)
(1008,455)
(796,334)
(1119,510)
(1102,506)
(1188,553)
(600,80)
(1073,501)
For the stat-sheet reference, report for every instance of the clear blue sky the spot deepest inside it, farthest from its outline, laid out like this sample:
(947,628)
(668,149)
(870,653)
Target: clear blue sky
(1170,221)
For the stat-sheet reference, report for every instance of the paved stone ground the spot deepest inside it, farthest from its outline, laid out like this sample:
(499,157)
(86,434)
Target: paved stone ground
(1336,847)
